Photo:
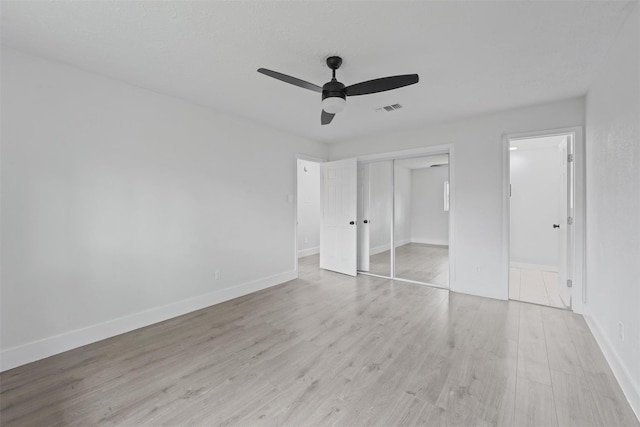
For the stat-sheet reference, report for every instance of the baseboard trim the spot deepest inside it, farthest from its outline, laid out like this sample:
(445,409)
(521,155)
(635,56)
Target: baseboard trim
(437,242)
(378,249)
(309,251)
(40,349)
(402,242)
(629,387)
(529,266)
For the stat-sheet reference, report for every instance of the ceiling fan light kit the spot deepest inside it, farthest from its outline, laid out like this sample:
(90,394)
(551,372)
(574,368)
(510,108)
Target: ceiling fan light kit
(333,104)
(334,93)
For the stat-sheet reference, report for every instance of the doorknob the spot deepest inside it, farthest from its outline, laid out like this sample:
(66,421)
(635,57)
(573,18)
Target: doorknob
(366,221)
(556,225)
(352,222)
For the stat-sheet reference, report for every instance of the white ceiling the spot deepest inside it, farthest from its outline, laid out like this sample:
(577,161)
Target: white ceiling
(472,57)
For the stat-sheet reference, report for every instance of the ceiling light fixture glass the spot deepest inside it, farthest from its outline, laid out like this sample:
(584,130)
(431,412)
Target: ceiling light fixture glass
(333,104)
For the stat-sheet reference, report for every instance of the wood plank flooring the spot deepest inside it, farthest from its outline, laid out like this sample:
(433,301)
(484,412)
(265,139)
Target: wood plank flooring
(535,286)
(415,261)
(331,350)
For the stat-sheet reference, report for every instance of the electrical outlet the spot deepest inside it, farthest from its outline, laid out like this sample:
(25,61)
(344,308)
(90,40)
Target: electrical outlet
(217,274)
(621,331)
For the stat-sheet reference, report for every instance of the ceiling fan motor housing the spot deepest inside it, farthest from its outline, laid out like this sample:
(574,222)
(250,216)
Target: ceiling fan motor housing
(334,97)
(333,89)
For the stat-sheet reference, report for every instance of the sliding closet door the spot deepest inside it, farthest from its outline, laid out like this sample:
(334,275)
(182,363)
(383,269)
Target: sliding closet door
(421,220)
(377,214)
(405,262)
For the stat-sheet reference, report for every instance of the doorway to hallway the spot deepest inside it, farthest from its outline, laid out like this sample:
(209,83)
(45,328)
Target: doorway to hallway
(541,237)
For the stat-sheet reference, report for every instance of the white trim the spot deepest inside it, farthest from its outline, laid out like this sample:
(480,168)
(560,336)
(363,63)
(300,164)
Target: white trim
(392,225)
(578,291)
(436,242)
(308,251)
(405,154)
(402,242)
(529,266)
(379,249)
(452,216)
(506,215)
(629,386)
(40,349)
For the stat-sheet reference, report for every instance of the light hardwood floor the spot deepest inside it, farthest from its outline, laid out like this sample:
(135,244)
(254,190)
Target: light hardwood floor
(328,349)
(415,261)
(536,286)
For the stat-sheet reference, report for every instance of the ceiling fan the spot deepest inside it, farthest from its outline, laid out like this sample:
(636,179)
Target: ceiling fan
(334,93)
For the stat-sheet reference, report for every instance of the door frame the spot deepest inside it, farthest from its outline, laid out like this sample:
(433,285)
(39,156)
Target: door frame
(579,288)
(432,150)
(297,157)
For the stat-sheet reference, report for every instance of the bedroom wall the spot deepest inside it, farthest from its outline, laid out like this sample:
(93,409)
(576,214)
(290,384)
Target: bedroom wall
(613,207)
(308,207)
(429,220)
(120,205)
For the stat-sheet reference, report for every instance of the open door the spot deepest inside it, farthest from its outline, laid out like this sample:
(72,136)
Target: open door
(565,231)
(338,232)
(364,203)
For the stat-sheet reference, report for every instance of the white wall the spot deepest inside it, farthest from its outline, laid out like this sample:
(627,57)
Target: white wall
(535,198)
(613,207)
(402,203)
(119,204)
(308,207)
(479,265)
(429,220)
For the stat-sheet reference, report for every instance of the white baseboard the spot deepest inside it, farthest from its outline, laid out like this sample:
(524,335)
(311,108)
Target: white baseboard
(629,386)
(40,349)
(529,266)
(385,247)
(378,249)
(402,242)
(309,251)
(438,242)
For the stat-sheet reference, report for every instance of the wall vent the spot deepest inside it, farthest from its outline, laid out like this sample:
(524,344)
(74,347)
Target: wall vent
(389,108)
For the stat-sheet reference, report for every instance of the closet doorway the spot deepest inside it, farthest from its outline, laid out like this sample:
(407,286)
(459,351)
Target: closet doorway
(403,219)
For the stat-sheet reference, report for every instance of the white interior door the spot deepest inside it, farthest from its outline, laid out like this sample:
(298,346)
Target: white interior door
(565,232)
(364,203)
(338,231)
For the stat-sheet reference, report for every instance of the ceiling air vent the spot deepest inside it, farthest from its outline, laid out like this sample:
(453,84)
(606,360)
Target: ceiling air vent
(389,108)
